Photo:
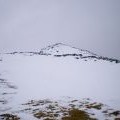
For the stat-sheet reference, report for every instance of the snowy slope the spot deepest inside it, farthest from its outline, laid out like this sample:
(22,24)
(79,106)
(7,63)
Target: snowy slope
(26,76)
(62,50)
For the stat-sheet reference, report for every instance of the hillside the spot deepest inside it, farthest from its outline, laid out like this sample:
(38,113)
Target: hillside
(58,81)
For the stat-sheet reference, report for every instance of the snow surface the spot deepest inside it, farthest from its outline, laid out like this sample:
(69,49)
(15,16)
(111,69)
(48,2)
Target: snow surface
(60,49)
(41,77)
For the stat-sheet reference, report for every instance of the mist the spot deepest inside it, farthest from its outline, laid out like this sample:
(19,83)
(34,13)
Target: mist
(29,25)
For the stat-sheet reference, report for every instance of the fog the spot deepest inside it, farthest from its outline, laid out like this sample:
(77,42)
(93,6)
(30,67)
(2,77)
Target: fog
(27,25)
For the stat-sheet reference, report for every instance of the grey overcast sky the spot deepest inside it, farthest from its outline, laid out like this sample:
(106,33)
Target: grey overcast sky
(27,25)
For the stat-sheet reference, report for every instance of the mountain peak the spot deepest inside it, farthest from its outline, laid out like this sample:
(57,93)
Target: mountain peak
(63,50)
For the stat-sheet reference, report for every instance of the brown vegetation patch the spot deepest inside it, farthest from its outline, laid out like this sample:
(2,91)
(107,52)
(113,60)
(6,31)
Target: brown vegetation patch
(95,106)
(76,114)
(115,113)
(9,117)
(46,115)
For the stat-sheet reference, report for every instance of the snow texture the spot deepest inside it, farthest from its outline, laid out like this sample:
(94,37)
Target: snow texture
(56,71)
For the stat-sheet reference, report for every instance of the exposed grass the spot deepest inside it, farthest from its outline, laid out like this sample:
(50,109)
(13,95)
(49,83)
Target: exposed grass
(45,115)
(9,117)
(40,115)
(117,118)
(49,119)
(76,114)
(95,106)
(115,113)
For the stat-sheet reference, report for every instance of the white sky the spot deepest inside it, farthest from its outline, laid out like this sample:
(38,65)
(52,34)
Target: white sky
(33,24)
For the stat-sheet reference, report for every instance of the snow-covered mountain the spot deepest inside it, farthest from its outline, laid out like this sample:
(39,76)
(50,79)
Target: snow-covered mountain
(62,50)
(32,84)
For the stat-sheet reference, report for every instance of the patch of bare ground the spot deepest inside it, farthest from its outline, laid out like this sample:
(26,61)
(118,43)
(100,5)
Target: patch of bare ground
(45,115)
(76,114)
(8,116)
(84,109)
(95,105)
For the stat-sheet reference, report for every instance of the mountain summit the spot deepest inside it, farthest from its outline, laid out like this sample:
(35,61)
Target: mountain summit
(63,50)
